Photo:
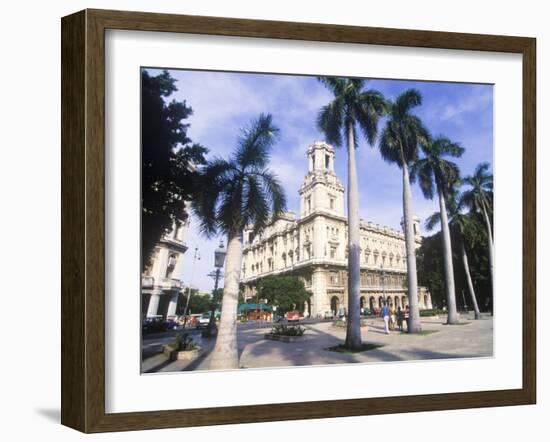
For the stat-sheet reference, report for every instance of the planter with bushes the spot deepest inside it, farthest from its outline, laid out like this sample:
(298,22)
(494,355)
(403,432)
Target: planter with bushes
(285,333)
(182,349)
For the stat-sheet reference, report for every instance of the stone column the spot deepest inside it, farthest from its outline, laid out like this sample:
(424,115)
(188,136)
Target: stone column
(153,303)
(173,305)
(319,301)
(319,239)
(429,305)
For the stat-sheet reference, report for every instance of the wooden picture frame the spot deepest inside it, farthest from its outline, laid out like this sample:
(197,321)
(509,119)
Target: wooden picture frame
(83,220)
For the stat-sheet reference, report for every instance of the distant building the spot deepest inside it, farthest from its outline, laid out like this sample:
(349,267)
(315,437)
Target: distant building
(161,282)
(314,247)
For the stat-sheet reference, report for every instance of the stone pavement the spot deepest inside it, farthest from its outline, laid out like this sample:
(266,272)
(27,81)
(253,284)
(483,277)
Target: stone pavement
(471,339)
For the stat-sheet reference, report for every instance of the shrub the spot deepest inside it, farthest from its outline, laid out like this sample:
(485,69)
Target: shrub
(287,330)
(432,312)
(184,342)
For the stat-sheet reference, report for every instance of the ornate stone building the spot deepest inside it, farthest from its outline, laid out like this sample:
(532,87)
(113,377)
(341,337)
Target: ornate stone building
(161,282)
(314,245)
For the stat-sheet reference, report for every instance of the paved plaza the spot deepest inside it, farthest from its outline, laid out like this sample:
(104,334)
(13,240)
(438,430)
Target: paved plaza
(470,339)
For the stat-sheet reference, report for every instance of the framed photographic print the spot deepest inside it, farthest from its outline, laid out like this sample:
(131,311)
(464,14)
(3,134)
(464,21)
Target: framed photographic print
(268,220)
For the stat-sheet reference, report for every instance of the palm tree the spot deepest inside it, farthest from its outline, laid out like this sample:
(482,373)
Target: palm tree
(435,171)
(399,144)
(459,223)
(237,193)
(352,107)
(479,199)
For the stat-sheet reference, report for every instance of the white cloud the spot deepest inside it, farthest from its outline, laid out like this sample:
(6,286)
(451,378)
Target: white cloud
(476,100)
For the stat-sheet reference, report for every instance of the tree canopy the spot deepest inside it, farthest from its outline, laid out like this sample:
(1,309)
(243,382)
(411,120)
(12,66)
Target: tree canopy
(199,302)
(352,105)
(285,292)
(242,191)
(430,264)
(169,157)
(403,132)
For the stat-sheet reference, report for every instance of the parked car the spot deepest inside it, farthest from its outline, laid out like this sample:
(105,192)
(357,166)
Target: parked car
(204,320)
(293,316)
(154,324)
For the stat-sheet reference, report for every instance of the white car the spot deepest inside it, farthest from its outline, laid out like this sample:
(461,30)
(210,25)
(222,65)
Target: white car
(204,320)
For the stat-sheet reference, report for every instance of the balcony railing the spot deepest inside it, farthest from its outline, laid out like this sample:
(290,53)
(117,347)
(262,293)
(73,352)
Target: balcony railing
(171,284)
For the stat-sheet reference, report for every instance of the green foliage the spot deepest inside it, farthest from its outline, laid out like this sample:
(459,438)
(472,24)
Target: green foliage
(242,191)
(430,271)
(352,105)
(184,342)
(285,292)
(199,303)
(287,330)
(403,132)
(168,177)
(434,170)
(479,196)
(432,312)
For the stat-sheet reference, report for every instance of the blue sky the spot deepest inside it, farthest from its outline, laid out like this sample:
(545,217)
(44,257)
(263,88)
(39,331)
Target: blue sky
(224,102)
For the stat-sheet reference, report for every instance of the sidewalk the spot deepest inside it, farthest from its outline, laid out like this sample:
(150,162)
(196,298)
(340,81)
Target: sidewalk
(470,340)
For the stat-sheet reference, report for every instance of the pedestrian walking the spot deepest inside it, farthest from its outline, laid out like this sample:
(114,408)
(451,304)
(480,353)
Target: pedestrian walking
(385,313)
(392,317)
(400,317)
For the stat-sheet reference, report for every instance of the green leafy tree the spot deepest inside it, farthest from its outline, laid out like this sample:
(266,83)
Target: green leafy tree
(430,268)
(237,193)
(399,144)
(352,107)
(284,292)
(169,157)
(459,224)
(478,198)
(198,303)
(438,174)
(431,265)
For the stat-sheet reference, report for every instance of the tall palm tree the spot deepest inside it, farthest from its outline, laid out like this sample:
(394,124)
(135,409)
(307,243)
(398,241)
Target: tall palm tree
(353,106)
(399,144)
(459,223)
(237,193)
(437,173)
(479,199)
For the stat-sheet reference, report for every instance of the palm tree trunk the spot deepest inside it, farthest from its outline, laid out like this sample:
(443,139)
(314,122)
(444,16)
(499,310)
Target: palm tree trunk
(469,280)
(225,354)
(490,247)
(353,332)
(452,316)
(414,315)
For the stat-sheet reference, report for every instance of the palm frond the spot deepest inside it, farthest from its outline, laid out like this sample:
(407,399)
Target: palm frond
(389,144)
(422,169)
(255,142)
(213,179)
(330,121)
(336,85)
(369,108)
(433,220)
(405,102)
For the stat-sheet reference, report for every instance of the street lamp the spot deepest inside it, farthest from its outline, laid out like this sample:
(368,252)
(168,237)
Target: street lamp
(196,257)
(219,258)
